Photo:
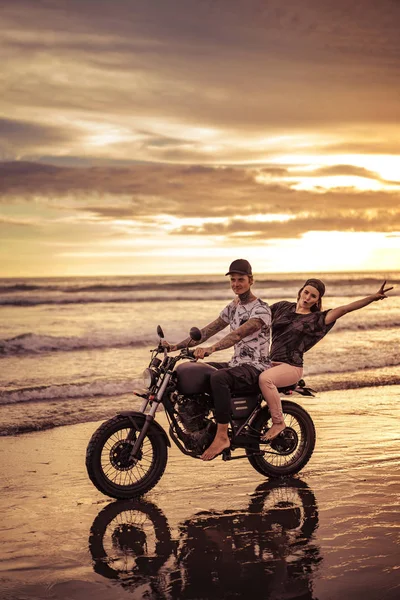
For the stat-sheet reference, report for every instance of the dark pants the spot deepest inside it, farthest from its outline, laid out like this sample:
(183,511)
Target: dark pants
(231,380)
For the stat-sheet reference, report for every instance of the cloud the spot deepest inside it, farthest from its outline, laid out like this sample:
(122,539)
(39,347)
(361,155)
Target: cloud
(385,142)
(345,170)
(10,221)
(354,221)
(21,130)
(199,117)
(155,70)
(183,190)
(22,137)
(151,194)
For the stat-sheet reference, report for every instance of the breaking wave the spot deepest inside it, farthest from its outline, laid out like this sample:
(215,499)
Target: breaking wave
(32,343)
(173,288)
(69,391)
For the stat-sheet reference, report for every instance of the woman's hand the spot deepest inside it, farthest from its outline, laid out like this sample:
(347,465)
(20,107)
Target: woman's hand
(381,293)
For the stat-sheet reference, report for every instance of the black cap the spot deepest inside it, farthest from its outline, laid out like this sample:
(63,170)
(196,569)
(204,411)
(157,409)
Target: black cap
(241,266)
(317,284)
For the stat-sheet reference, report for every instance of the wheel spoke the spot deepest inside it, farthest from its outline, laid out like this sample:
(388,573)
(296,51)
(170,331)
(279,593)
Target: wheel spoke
(110,465)
(284,454)
(116,465)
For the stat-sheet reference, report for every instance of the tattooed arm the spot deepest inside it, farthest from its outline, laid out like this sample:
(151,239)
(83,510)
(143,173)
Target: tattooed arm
(207,332)
(251,326)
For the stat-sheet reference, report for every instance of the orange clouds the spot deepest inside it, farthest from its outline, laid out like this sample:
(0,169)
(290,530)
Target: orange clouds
(189,119)
(142,192)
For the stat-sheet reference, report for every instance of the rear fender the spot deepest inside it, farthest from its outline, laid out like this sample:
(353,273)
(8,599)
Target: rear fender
(138,419)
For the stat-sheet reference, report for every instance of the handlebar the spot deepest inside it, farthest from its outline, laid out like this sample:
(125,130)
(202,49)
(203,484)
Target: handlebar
(184,353)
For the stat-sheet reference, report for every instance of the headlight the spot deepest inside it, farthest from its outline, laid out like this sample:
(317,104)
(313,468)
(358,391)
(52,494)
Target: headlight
(148,377)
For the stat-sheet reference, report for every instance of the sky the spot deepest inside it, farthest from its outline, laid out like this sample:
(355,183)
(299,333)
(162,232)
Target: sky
(174,136)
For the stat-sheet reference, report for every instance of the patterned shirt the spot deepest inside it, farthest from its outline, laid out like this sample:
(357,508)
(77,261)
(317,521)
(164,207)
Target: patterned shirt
(253,349)
(294,333)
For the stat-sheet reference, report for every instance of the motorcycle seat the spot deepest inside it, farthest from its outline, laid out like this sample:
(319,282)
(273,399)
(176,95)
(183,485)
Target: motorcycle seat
(287,389)
(282,390)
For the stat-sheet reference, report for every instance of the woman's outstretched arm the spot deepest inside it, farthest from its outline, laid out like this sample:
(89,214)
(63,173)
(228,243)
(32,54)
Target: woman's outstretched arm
(338,312)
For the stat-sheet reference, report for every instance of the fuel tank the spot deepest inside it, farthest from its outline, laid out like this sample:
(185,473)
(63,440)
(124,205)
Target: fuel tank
(194,377)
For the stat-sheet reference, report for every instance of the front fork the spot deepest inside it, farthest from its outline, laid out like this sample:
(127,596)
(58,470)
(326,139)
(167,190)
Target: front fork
(149,417)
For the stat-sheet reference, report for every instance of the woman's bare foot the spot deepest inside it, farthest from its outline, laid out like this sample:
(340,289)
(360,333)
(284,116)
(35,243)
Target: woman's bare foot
(273,432)
(219,444)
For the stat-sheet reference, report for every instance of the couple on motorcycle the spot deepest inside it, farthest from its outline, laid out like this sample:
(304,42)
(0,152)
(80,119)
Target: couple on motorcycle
(295,328)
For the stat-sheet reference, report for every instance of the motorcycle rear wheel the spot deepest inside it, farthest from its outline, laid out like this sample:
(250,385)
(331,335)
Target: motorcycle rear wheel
(291,450)
(112,471)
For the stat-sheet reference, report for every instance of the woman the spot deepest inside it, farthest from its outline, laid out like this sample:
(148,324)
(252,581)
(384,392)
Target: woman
(297,327)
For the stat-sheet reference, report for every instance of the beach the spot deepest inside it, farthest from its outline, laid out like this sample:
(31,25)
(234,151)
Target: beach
(170,169)
(71,353)
(211,530)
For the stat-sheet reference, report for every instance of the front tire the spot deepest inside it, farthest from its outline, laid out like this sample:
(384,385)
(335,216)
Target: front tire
(291,450)
(109,466)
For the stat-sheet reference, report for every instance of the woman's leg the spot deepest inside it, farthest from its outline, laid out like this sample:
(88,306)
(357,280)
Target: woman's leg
(279,375)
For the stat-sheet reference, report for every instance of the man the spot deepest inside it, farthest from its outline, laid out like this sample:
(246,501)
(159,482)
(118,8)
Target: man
(250,322)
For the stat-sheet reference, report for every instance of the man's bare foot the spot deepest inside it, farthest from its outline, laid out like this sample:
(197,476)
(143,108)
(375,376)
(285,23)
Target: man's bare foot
(273,432)
(219,444)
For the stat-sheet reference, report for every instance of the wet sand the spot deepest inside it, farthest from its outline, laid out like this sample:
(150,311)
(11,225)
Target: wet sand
(216,530)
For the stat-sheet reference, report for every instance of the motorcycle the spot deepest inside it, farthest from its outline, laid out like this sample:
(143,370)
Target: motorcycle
(127,455)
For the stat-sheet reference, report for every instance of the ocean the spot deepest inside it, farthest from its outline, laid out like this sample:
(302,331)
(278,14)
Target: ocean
(73,349)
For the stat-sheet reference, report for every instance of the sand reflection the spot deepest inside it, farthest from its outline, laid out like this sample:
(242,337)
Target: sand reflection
(265,550)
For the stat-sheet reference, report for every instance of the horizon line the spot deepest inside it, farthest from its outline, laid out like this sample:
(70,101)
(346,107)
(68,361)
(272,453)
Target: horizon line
(267,273)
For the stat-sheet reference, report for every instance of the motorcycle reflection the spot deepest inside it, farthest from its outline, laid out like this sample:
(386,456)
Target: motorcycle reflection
(265,551)
(130,541)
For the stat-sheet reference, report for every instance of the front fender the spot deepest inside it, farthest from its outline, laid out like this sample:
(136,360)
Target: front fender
(139,418)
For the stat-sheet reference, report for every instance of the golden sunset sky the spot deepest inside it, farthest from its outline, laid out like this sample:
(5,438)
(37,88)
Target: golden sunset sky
(173,136)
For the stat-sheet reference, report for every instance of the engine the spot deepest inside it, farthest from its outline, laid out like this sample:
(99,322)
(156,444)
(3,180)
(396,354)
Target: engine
(193,412)
(197,431)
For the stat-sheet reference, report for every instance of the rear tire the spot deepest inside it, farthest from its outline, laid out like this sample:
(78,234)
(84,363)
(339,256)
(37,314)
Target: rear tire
(112,471)
(291,450)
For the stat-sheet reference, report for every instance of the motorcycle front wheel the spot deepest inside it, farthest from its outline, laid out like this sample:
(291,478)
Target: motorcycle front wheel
(110,467)
(288,453)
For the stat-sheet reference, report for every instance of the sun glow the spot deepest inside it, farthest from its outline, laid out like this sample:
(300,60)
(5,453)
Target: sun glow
(328,251)
(268,218)
(106,138)
(386,166)
(316,184)
(97,134)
